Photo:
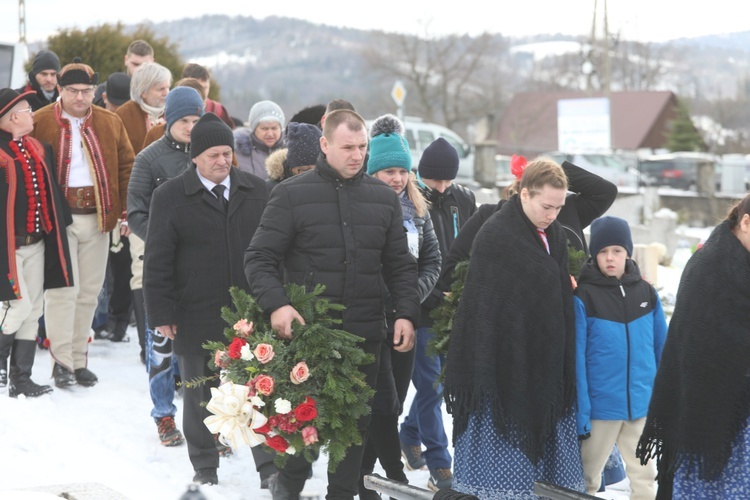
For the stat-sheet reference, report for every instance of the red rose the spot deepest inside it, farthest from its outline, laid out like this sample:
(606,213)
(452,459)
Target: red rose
(235,347)
(278,443)
(264,384)
(306,411)
(263,429)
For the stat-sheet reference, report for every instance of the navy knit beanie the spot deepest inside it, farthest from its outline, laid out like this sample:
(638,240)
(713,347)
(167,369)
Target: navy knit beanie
(388,146)
(303,144)
(606,231)
(210,131)
(182,102)
(439,161)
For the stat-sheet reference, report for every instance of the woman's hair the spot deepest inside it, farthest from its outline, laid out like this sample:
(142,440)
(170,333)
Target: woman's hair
(539,172)
(147,76)
(421,205)
(738,211)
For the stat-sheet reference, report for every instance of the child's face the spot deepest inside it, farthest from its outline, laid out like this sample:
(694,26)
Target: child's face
(611,260)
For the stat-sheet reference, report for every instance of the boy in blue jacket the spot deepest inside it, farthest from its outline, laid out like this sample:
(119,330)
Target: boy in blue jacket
(620,333)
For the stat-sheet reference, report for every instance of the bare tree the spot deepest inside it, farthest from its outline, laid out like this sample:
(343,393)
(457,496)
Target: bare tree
(451,79)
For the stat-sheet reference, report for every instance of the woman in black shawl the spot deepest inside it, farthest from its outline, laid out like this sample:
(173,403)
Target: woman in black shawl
(697,419)
(510,372)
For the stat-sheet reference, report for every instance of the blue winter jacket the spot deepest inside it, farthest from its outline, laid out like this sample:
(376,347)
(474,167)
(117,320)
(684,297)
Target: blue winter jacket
(620,333)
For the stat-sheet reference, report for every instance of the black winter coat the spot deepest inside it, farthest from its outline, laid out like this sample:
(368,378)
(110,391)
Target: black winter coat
(449,211)
(346,234)
(194,254)
(153,166)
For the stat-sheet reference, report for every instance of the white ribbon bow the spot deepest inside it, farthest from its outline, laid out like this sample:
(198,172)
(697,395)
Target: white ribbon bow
(234,417)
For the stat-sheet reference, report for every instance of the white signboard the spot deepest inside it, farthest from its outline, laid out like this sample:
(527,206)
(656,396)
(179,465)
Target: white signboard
(583,124)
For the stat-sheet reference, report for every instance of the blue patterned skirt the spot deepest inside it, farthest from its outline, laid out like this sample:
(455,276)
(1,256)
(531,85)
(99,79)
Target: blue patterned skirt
(488,466)
(734,481)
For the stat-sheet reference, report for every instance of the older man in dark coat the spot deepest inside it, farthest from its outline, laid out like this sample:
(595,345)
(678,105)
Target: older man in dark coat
(339,227)
(200,224)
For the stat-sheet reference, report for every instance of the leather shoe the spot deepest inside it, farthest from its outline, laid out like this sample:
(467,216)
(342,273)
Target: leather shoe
(206,476)
(86,377)
(63,377)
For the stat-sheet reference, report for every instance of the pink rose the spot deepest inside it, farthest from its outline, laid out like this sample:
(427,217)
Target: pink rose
(221,359)
(310,435)
(243,328)
(300,373)
(264,353)
(264,384)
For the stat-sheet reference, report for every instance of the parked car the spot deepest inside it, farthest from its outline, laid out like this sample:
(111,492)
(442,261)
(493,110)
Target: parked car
(677,170)
(421,134)
(605,165)
(13,57)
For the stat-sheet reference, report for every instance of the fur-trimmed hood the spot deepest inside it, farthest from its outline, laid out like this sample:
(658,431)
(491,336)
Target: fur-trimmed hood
(275,165)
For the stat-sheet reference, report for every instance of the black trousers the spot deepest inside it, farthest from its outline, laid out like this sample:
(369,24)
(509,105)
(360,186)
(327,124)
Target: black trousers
(119,293)
(200,442)
(342,484)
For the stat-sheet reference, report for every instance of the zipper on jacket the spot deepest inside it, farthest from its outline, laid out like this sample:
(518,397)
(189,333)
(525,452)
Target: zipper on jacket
(627,339)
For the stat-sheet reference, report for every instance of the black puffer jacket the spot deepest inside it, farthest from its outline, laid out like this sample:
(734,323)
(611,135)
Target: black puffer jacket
(159,162)
(345,234)
(449,210)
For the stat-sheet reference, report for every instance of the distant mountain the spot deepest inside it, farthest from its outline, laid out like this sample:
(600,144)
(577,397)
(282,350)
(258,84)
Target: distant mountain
(297,63)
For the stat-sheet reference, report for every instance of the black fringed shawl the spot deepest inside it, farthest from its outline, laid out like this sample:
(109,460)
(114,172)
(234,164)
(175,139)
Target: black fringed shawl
(513,340)
(701,397)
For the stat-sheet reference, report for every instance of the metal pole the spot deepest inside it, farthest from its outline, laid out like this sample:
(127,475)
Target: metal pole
(554,492)
(397,490)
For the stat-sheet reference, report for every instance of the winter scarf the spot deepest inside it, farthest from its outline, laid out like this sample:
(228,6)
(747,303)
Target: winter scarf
(701,397)
(513,340)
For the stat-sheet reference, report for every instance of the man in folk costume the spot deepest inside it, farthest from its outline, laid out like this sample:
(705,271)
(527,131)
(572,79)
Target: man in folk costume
(94,158)
(33,247)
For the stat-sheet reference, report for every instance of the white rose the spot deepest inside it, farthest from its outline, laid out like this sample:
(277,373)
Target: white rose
(246,353)
(257,402)
(290,450)
(282,406)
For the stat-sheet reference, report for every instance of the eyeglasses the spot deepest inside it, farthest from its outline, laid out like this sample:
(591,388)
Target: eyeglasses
(25,110)
(85,92)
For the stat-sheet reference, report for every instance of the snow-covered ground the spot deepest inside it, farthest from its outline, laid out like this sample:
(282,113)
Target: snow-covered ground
(105,435)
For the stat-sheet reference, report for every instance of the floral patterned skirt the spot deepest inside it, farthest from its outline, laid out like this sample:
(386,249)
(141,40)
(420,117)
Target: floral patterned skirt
(488,466)
(734,481)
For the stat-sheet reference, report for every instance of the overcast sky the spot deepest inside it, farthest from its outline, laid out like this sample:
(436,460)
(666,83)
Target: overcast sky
(644,20)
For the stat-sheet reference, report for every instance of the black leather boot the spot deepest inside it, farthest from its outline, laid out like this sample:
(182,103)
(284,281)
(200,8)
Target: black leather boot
(6,341)
(63,377)
(21,363)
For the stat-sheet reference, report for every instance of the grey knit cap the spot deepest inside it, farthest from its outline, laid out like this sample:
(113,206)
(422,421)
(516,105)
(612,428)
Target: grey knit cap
(265,111)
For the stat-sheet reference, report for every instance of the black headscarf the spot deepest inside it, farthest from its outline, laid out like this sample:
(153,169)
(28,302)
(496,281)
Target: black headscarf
(513,340)
(701,397)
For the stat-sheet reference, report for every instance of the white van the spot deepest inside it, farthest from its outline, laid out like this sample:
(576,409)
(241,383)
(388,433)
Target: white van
(421,134)
(13,57)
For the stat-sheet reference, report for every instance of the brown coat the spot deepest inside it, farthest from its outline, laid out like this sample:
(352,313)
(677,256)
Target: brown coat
(116,151)
(134,119)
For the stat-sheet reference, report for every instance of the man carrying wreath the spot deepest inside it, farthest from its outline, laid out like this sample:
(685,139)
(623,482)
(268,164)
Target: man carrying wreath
(198,228)
(334,225)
